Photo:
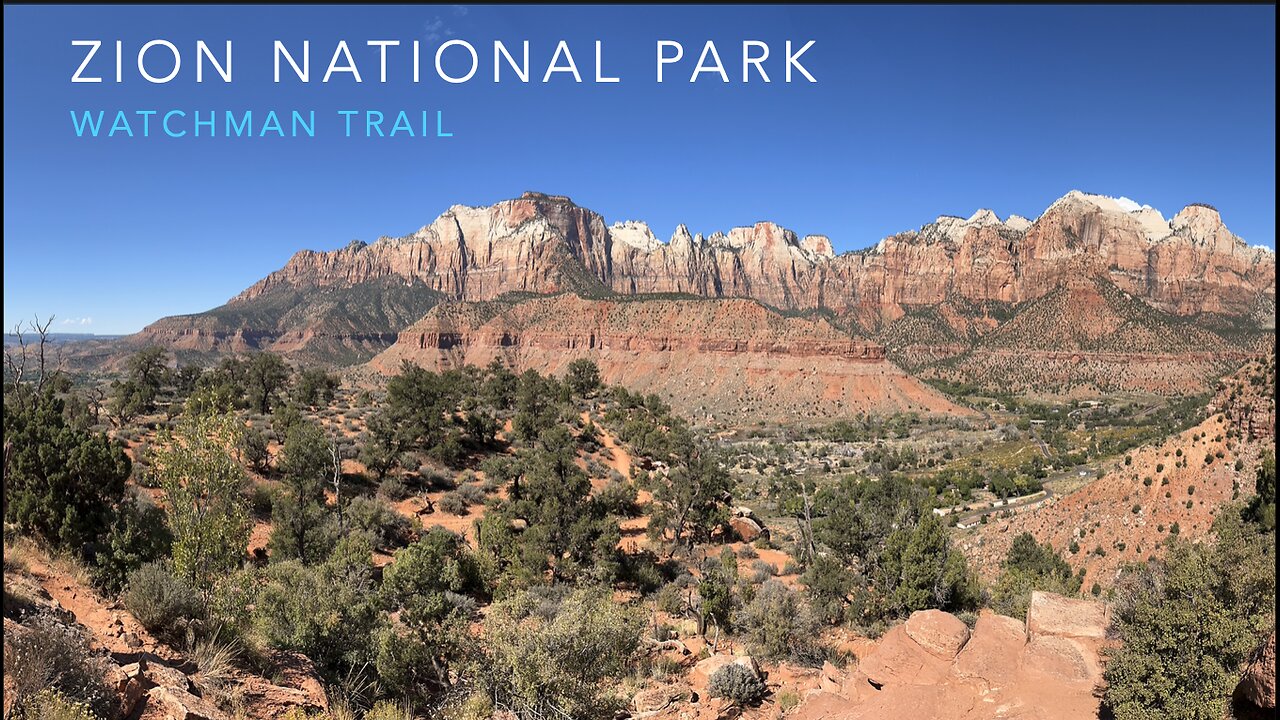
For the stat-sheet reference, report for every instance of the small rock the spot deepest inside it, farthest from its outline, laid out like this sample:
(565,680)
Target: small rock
(651,699)
(181,705)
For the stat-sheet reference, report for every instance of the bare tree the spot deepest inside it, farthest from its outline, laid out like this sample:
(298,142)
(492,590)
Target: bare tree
(336,456)
(29,382)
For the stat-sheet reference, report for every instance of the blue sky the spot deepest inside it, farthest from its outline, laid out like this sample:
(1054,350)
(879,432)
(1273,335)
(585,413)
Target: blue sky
(918,111)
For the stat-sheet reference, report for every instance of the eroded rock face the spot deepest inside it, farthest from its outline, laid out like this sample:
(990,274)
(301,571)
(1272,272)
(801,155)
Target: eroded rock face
(933,666)
(541,243)
(717,359)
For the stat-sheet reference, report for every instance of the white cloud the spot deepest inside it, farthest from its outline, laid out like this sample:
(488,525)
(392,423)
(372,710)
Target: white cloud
(77,321)
(435,29)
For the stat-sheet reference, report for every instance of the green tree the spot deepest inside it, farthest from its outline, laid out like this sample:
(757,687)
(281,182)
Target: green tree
(314,387)
(829,584)
(202,480)
(328,612)
(918,570)
(186,379)
(500,386)
(690,501)
(856,516)
(138,534)
(302,527)
(226,382)
(61,483)
(1188,622)
(427,584)
(567,531)
(1262,508)
(536,409)
(583,377)
(265,374)
(1031,566)
(715,591)
(383,446)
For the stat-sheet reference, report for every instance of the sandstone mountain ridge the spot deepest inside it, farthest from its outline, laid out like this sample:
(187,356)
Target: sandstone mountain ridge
(540,243)
(1096,292)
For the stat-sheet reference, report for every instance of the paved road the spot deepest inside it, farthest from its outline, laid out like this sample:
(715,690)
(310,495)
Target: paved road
(1074,474)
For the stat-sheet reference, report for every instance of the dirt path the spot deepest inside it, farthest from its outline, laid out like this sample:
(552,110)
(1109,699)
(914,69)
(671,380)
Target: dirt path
(108,625)
(620,459)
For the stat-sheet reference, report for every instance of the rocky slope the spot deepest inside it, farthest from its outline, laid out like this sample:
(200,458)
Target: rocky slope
(1174,487)
(48,605)
(727,360)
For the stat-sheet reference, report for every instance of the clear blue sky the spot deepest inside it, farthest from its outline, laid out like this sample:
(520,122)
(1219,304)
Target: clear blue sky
(918,111)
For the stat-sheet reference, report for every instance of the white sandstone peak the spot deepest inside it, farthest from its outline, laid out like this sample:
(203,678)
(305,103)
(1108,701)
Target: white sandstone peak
(1017,222)
(984,217)
(635,233)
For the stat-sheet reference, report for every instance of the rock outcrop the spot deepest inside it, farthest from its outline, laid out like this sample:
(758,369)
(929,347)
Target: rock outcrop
(933,666)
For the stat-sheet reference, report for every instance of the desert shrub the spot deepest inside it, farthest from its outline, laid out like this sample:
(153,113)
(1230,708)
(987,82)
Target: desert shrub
(471,493)
(566,650)
(261,499)
(777,625)
(436,480)
(161,601)
(50,668)
(453,503)
(748,552)
(671,598)
(393,488)
(737,683)
(387,710)
(618,498)
(1188,622)
(253,448)
(49,704)
(328,612)
(375,516)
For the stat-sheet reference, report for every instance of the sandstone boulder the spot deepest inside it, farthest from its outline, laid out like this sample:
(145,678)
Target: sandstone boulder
(127,681)
(941,633)
(899,660)
(746,528)
(158,674)
(992,653)
(1060,660)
